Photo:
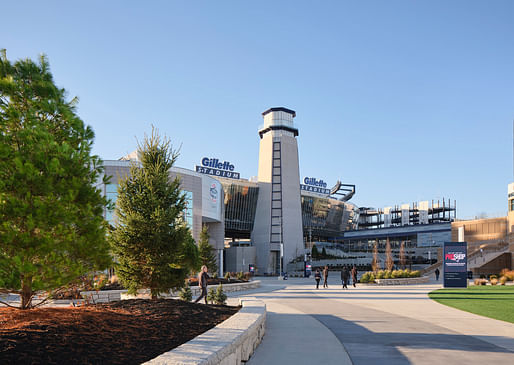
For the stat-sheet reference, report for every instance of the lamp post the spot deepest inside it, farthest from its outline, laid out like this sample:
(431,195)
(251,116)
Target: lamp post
(280,277)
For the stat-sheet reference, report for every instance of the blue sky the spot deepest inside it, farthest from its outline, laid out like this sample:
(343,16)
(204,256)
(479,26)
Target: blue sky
(409,100)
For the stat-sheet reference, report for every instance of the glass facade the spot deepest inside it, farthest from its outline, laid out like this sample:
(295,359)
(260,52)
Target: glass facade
(111,193)
(240,206)
(325,218)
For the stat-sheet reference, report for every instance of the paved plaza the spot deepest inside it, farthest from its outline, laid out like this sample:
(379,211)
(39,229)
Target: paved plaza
(373,325)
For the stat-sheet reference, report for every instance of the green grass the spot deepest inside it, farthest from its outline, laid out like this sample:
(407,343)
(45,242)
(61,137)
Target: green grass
(490,301)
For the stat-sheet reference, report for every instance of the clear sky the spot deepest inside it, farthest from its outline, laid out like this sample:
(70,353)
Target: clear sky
(408,100)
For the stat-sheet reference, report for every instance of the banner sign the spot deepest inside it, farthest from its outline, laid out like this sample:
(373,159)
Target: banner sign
(455,264)
(314,185)
(214,167)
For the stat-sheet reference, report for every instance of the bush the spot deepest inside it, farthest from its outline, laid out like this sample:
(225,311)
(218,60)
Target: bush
(248,276)
(503,280)
(494,281)
(240,275)
(219,296)
(493,277)
(186,294)
(215,275)
(397,274)
(380,274)
(227,275)
(415,274)
(483,282)
(366,277)
(211,296)
(477,281)
(388,274)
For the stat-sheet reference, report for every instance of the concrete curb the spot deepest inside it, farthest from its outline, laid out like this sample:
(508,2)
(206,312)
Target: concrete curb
(232,342)
(403,281)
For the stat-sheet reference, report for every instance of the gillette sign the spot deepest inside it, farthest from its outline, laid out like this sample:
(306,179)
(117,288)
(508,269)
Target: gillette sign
(214,167)
(314,185)
(455,264)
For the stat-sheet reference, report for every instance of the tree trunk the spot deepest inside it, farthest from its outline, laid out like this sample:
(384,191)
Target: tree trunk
(26,293)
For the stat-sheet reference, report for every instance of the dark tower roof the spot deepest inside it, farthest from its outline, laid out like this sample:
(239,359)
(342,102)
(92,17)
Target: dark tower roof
(279,109)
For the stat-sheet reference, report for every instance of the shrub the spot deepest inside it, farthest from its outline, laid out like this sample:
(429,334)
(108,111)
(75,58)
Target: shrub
(477,281)
(220,297)
(380,274)
(396,274)
(388,274)
(215,275)
(494,281)
(503,280)
(367,277)
(185,294)
(483,282)
(510,275)
(227,275)
(491,277)
(240,275)
(248,276)
(415,274)
(211,295)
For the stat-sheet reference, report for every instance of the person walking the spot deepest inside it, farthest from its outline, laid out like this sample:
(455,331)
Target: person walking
(345,274)
(325,277)
(437,272)
(354,276)
(203,277)
(317,277)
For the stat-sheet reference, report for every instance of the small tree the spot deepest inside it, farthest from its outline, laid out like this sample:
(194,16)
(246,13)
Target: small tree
(314,252)
(52,229)
(206,252)
(374,263)
(389,256)
(150,240)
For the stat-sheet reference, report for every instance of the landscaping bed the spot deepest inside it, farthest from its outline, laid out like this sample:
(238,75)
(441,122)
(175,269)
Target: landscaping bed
(490,301)
(123,332)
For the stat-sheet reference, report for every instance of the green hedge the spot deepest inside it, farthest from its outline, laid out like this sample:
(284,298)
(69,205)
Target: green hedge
(370,276)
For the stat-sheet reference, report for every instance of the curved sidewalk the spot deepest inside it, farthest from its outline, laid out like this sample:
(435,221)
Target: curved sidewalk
(375,325)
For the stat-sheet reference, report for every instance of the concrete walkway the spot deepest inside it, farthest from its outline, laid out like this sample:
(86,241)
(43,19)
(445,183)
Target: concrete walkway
(374,325)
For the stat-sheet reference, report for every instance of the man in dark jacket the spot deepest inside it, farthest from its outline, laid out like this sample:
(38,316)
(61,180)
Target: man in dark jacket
(345,275)
(317,277)
(203,277)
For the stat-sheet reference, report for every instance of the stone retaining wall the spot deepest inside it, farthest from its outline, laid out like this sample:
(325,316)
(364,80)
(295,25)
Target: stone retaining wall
(403,281)
(103,296)
(232,342)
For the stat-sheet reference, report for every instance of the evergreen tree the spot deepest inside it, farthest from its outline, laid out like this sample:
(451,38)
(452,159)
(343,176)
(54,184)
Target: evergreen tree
(207,252)
(52,228)
(151,242)
(314,252)
(324,253)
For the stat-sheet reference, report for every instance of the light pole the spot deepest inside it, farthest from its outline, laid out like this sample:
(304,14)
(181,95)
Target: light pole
(280,277)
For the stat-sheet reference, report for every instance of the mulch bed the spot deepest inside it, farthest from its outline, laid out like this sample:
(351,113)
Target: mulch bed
(123,332)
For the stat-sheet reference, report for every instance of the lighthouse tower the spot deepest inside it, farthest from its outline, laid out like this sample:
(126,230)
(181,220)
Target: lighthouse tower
(278,217)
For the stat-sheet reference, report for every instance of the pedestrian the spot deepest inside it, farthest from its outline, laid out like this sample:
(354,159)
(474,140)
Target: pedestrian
(354,275)
(345,275)
(317,277)
(437,272)
(203,277)
(325,277)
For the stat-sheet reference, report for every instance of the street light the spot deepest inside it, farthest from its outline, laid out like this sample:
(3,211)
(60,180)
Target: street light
(280,277)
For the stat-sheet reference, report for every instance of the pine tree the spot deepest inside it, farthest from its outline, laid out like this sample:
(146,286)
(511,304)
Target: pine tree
(206,251)
(314,252)
(52,228)
(151,242)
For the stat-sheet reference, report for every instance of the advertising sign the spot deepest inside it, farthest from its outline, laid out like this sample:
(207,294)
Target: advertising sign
(455,264)
(314,185)
(211,199)
(214,167)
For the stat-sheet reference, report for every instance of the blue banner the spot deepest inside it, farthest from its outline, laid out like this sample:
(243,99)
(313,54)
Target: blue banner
(455,264)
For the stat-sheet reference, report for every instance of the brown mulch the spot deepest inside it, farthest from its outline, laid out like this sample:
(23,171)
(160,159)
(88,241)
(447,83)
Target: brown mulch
(123,332)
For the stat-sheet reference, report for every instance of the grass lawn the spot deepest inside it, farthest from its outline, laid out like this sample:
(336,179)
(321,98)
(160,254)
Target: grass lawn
(490,301)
